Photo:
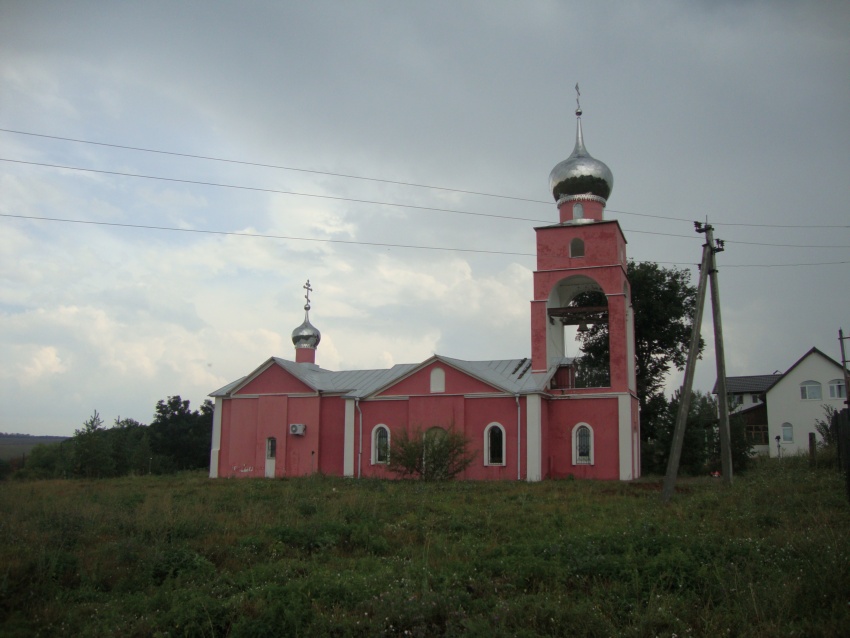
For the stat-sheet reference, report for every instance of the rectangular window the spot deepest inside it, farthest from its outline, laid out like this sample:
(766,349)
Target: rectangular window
(757,434)
(787,433)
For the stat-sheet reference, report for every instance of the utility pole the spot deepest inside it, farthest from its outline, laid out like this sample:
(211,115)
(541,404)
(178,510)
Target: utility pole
(687,386)
(841,339)
(720,357)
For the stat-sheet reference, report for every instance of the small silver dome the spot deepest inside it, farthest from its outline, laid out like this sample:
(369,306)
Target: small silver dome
(580,174)
(306,335)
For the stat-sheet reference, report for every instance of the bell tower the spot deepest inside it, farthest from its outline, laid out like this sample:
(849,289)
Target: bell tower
(581,275)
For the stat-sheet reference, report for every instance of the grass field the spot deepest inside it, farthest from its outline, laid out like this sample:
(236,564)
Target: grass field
(186,556)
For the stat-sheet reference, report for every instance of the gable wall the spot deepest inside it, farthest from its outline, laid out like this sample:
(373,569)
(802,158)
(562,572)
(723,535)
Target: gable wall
(275,380)
(419,383)
(784,403)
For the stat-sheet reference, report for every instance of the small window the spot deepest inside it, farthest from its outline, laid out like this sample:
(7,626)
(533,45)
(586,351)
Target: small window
(837,389)
(494,445)
(578,210)
(577,248)
(757,434)
(271,448)
(582,444)
(756,398)
(810,390)
(438,380)
(787,433)
(380,445)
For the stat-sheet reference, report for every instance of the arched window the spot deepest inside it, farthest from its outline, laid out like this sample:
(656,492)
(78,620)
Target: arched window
(494,445)
(380,444)
(578,210)
(837,389)
(271,447)
(810,390)
(438,380)
(582,444)
(787,433)
(577,247)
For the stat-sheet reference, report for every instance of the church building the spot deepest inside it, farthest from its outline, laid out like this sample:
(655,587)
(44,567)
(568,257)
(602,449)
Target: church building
(526,419)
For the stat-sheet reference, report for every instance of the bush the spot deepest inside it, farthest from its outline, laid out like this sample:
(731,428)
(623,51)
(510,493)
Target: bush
(433,455)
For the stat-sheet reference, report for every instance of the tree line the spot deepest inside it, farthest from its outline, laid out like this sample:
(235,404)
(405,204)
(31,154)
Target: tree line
(178,438)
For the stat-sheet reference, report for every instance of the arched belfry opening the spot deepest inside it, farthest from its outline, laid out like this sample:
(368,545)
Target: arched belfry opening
(577,313)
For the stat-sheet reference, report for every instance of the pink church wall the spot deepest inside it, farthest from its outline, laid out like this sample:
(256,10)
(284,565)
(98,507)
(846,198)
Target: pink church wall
(480,413)
(602,415)
(302,452)
(603,245)
(419,383)
(332,436)
(240,433)
(275,380)
(271,412)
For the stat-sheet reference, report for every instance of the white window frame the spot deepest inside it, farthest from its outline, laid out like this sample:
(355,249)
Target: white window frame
(487,430)
(807,388)
(837,390)
(375,430)
(574,443)
(438,380)
(790,428)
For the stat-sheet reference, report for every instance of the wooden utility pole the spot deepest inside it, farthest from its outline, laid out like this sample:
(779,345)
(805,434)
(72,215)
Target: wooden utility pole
(687,386)
(841,339)
(720,357)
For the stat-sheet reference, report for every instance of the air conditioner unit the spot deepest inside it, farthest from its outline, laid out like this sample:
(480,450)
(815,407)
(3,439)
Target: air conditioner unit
(297,429)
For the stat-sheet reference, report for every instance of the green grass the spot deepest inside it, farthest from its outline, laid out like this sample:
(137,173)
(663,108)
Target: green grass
(186,556)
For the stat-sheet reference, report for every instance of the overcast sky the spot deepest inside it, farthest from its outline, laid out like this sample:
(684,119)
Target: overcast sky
(734,111)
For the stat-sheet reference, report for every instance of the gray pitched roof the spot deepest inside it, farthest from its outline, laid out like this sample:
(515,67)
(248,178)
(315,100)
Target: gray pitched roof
(751,383)
(512,376)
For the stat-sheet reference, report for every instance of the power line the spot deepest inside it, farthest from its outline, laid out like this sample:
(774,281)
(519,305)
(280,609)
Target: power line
(262,235)
(363,201)
(390,181)
(272,190)
(361,243)
(277,166)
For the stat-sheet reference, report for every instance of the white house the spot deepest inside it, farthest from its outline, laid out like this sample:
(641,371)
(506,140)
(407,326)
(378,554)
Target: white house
(792,402)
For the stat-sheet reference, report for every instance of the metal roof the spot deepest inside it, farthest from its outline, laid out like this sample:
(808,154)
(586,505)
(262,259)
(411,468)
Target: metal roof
(751,383)
(512,376)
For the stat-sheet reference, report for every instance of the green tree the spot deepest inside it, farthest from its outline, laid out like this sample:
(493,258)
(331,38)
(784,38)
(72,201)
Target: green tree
(827,427)
(181,435)
(663,300)
(92,449)
(433,455)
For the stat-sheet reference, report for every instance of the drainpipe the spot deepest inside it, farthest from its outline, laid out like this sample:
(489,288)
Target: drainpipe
(360,453)
(518,440)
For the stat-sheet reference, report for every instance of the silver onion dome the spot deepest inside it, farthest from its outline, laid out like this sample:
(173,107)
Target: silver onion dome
(306,335)
(581,174)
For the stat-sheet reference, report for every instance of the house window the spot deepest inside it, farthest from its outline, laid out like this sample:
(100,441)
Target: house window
(733,401)
(438,380)
(271,447)
(837,389)
(577,247)
(494,445)
(756,398)
(757,434)
(582,444)
(380,445)
(810,390)
(787,433)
